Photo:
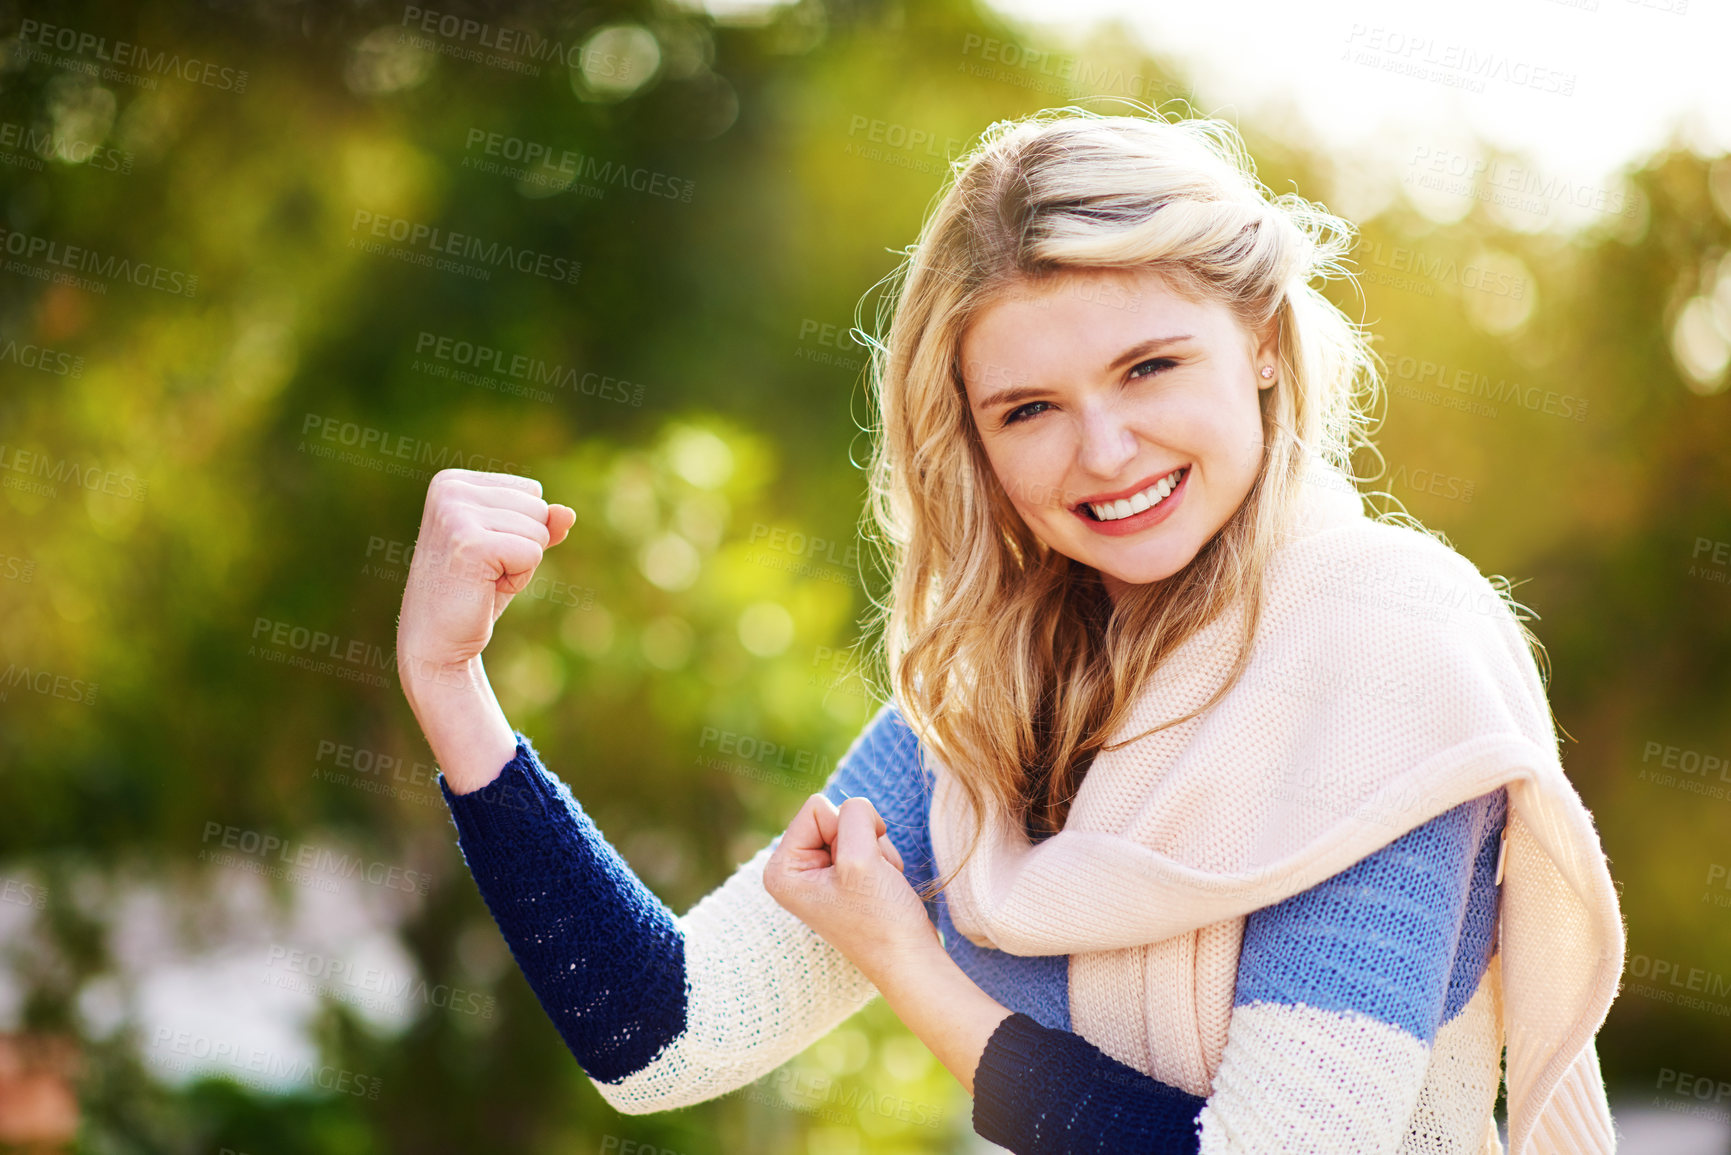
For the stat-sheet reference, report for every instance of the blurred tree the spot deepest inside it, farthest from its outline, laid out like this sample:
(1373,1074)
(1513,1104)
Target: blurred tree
(657,230)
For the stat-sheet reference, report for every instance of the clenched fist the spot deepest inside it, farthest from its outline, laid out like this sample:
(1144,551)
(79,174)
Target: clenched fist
(481,537)
(837,870)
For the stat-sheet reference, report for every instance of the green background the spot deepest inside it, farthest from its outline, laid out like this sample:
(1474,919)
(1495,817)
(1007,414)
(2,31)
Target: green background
(706,424)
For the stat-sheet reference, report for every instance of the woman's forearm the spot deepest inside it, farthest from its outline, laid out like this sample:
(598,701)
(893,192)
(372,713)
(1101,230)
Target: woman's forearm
(942,1006)
(462,720)
(661,1012)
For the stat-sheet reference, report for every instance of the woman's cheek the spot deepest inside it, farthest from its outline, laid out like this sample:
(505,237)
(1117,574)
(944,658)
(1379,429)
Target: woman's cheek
(1027,477)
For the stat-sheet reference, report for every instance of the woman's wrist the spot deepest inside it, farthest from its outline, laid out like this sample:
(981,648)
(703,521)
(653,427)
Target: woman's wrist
(471,739)
(941,1005)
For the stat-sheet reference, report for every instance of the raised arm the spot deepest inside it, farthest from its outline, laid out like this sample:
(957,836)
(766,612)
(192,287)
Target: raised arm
(1345,995)
(660,1011)
(481,539)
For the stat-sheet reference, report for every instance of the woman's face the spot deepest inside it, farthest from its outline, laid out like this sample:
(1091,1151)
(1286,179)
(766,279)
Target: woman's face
(1121,418)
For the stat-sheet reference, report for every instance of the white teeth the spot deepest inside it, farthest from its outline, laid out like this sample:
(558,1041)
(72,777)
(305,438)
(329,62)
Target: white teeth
(1137,502)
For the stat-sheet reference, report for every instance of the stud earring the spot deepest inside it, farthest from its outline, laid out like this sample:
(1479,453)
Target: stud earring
(1268,371)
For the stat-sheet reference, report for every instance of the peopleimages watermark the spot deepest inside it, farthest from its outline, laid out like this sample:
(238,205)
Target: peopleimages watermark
(305,859)
(804,555)
(1510,185)
(1422,480)
(1108,292)
(18,892)
(1321,788)
(471,362)
(113,58)
(618,1145)
(373,772)
(1711,561)
(1669,7)
(48,683)
(26,355)
(432,247)
(567,169)
(25,147)
(42,475)
(916,149)
(797,1088)
(1412,592)
(1441,270)
(388,560)
(1718,880)
(256,1067)
(373,988)
(521,50)
(1449,64)
(376,772)
(1314,678)
(834,671)
(321,652)
(1012,63)
(63,263)
(1685,1093)
(1691,987)
(1691,771)
(744,756)
(828,337)
(1470,391)
(381,450)
(765,753)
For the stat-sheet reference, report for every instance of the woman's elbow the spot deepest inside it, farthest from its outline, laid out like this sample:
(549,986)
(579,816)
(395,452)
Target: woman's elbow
(641,1099)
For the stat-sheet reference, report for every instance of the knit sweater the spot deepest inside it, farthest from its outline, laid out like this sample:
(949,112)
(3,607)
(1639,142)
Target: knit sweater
(1306,919)
(664,1011)
(1387,684)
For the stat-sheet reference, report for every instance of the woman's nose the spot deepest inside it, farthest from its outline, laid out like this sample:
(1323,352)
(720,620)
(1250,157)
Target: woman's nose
(1108,442)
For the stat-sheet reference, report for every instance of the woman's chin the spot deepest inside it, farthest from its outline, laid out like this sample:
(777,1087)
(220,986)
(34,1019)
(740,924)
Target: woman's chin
(1121,573)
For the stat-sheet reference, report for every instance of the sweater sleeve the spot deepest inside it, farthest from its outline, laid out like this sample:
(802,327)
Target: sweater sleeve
(663,1011)
(1341,992)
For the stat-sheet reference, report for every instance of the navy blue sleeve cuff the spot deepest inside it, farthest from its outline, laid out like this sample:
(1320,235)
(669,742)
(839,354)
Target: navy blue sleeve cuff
(514,800)
(1040,1091)
(602,953)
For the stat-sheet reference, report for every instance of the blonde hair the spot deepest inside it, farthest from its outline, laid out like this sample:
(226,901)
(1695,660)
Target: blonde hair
(1008,659)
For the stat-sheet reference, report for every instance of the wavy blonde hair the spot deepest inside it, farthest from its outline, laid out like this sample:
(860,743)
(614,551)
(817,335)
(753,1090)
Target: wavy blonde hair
(1008,659)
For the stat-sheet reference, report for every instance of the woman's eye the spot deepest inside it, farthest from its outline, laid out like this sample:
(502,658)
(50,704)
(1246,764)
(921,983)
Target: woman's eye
(1144,369)
(1157,364)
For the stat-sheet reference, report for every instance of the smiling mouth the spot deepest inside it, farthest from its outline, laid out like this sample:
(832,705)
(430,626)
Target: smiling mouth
(1137,502)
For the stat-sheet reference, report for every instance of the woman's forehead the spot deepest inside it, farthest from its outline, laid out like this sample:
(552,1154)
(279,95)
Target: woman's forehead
(1086,317)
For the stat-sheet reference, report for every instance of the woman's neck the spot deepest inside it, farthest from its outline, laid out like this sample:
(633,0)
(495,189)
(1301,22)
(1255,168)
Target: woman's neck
(1113,586)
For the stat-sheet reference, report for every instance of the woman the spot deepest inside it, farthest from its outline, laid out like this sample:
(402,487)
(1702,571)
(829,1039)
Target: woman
(1208,813)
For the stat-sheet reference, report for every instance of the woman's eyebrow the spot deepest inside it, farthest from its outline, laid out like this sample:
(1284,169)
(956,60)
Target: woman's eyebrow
(1142,349)
(1015,393)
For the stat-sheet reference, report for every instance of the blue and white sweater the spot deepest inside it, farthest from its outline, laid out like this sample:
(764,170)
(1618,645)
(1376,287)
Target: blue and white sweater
(664,1011)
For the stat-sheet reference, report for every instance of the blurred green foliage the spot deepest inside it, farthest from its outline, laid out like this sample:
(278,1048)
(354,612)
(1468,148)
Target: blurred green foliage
(706,423)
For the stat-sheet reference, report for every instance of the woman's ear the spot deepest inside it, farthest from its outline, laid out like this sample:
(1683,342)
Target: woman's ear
(1268,355)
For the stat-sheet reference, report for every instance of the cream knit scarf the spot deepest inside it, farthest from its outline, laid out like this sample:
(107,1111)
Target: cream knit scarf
(1387,684)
